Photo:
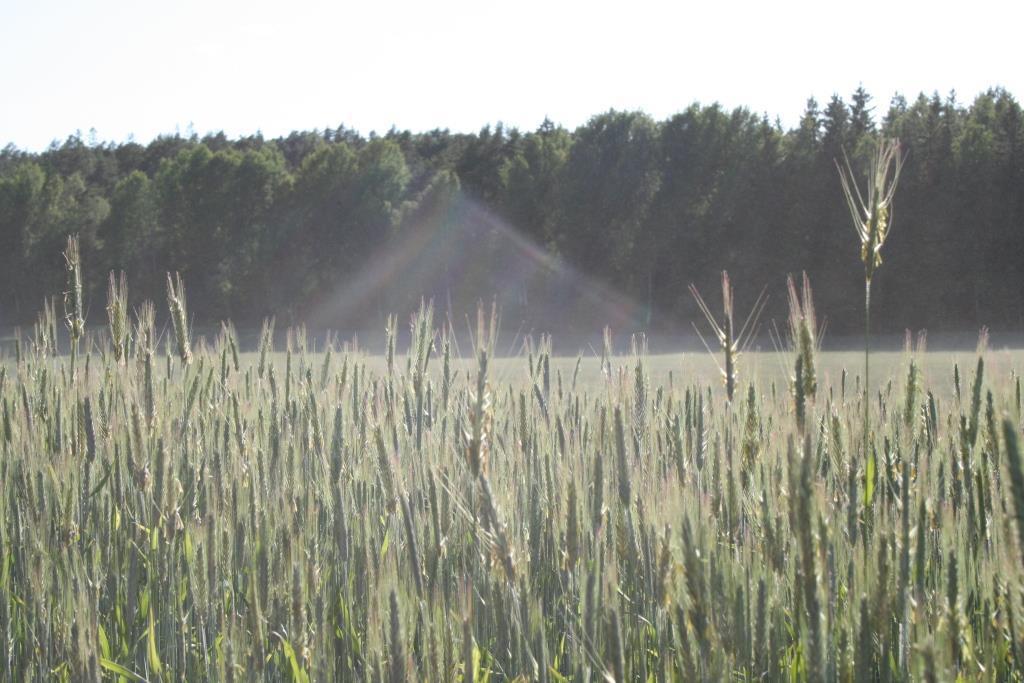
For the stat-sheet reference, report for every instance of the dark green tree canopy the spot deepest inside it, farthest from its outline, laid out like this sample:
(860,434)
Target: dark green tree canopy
(623,208)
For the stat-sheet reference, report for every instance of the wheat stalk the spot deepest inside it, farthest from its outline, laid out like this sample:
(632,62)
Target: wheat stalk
(117,316)
(871,213)
(733,343)
(179,316)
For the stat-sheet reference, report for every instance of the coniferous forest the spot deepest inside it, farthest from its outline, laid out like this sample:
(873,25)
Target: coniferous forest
(608,222)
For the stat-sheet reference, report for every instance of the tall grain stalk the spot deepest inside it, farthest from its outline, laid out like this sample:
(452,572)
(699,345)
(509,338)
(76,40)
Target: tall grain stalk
(179,316)
(117,315)
(73,313)
(872,218)
(733,342)
(803,331)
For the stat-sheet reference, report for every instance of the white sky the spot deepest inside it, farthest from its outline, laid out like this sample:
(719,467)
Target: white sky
(142,67)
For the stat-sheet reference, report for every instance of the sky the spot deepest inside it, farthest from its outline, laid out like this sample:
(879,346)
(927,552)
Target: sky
(142,68)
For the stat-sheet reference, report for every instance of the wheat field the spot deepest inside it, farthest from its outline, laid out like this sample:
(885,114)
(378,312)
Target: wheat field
(196,513)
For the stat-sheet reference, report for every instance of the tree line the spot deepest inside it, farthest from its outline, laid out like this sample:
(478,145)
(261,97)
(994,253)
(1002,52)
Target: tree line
(338,228)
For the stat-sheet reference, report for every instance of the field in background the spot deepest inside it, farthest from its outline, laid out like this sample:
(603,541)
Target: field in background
(763,367)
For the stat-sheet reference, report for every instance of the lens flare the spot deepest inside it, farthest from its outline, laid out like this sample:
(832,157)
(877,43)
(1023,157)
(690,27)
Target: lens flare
(460,253)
